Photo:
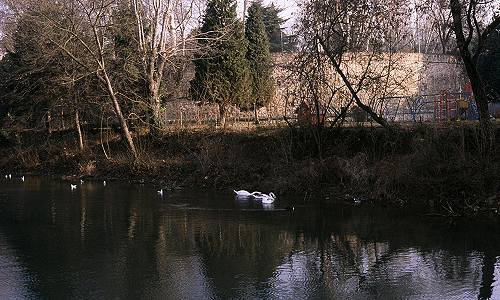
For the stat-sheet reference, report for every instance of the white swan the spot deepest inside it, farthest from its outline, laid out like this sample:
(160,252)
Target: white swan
(160,192)
(104,183)
(10,176)
(265,198)
(81,182)
(22,178)
(243,193)
(73,187)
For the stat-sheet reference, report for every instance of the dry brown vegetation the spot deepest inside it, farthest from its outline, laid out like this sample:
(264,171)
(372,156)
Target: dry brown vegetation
(411,166)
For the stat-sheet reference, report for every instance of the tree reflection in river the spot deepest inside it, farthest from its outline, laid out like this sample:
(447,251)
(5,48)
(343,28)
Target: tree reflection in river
(12,273)
(122,241)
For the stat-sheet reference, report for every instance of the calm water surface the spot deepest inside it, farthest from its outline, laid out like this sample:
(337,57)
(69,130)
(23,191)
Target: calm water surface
(124,241)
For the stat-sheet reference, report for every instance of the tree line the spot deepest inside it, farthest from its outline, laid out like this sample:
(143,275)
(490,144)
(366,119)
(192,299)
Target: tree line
(125,58)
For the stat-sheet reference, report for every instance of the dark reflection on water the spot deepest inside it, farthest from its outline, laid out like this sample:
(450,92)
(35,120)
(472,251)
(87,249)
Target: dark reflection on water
(124,241)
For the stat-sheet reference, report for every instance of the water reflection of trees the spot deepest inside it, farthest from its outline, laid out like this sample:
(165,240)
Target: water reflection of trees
(354,255)
(115,242)
(12,272)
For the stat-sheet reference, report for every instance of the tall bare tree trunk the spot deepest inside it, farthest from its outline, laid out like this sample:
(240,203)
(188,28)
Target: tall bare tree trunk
(48,122)
(222,115)
(62,120)
(79,130)
(157,45)
(470,63)
(155,103)
(256,114)
(116,105)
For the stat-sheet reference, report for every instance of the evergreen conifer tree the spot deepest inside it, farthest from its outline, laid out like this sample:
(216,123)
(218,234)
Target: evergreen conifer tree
(259,58)
(272,23)
(221,70)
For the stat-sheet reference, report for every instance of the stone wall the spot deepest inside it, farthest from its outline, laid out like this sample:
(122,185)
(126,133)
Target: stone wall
(411,75)
(404,77)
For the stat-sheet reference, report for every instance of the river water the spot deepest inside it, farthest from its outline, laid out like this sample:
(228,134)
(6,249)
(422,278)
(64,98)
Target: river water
(124,241)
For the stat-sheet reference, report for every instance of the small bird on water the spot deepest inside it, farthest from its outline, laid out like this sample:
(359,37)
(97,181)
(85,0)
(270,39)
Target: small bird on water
(104,183)
(73,186)
(22,178)
(160,192)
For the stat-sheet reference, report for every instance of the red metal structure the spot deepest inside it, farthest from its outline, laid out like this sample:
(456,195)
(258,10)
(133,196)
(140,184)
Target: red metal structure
(306,115)
(441,107)
(453,106)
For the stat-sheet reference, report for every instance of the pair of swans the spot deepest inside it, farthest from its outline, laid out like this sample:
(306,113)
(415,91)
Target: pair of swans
(10,177)
(265,198)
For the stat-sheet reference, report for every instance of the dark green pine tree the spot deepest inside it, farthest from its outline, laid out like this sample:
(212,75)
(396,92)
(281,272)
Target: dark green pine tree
(273,22)
(259,58)
(221,70)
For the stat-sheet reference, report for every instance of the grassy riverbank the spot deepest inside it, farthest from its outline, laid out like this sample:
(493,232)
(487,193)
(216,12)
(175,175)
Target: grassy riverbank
(418,165)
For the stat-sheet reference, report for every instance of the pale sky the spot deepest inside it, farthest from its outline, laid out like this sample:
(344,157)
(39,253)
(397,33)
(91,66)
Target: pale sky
(291,9)
(289,12)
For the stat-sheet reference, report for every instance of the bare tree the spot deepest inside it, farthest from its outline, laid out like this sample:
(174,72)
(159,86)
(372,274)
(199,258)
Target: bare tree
(441,22)
(81,29)
(163,33)
(38,74)
(350,46)
(469,27)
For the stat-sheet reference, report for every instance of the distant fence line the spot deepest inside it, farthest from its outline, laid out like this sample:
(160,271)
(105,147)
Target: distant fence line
(446,106)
